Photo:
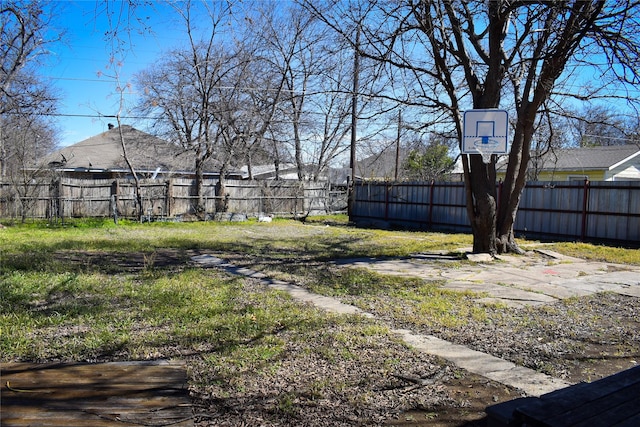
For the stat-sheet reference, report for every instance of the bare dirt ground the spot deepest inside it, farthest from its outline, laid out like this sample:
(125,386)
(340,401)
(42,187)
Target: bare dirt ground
(582,338)
(579,339)
(377,382)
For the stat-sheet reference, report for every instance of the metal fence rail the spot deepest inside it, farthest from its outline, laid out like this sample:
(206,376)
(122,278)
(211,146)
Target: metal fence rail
(587,211)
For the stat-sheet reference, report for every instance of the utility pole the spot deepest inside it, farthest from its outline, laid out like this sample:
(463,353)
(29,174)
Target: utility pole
(354,118)
(398,145)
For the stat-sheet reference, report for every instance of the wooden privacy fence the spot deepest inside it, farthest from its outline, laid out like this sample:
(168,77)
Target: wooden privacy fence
(587,211)
(169,198)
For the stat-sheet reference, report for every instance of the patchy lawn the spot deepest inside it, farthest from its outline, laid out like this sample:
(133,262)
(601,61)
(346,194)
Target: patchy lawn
(101,292)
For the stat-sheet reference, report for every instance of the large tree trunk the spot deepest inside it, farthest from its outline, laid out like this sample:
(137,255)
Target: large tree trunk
(222,201)
(482,209)
(514,183)
(198,206)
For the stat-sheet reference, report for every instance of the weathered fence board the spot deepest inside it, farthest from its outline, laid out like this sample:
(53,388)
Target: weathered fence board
(169,198)
(607,211)
(593,211)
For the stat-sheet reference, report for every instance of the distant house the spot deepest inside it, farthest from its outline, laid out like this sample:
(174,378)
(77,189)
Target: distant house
(610,163)
(102,157)
(381,166)
(389,164)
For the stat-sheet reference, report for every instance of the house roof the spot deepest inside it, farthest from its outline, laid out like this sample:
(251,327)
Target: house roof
(103,152)
(381,165)
(590,158)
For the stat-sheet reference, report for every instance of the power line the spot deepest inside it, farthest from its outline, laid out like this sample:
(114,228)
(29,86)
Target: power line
(79,79)
(91,116)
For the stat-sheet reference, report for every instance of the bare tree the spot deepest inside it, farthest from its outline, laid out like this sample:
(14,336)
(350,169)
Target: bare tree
(193,92)
(25,33)
(552,133)
(123,17)
(314,117)
(261,86)
(598,125)
(292,43)
(30,137)
(476,54)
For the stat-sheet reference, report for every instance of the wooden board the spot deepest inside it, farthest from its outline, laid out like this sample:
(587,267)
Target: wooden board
(613,400)
(102,394)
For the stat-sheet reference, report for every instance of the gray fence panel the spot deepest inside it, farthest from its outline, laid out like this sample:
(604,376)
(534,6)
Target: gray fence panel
(449,207)
(633,207)
(370,201)
(603,211)
(551,209)
(614,212)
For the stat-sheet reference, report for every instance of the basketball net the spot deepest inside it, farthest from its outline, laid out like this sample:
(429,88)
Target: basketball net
(485,152)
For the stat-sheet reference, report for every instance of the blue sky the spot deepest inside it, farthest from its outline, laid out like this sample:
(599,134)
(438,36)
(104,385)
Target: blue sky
(83,74)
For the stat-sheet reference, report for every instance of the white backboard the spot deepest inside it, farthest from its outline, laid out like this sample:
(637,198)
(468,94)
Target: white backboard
(485,131)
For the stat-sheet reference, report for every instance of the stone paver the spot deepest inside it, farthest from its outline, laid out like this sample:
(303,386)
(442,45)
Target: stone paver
(514,280)
(531,382)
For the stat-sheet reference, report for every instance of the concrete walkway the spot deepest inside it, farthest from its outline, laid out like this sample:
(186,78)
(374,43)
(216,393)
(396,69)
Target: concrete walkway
(515,281)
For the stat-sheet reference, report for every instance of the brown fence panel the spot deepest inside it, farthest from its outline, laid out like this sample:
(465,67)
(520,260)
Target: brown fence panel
(84,198)
(31,200)
(280,198)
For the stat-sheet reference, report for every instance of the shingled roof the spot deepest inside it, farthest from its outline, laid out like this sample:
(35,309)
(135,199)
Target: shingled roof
(590,158)
(103,152)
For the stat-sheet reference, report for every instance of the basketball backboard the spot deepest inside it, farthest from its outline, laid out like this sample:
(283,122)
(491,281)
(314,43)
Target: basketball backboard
(485,132)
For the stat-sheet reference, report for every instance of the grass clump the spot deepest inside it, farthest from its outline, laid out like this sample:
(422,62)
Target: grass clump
(593,252)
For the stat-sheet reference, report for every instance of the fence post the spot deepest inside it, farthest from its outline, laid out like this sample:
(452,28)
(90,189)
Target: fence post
(168,201)
(431,191)
(387,190)
(115,190)
(54,200)
(61,200)
(585,207)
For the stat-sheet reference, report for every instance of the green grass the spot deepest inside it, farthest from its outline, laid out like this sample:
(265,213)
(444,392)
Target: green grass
(90,316)
(599,252)
(90,290)
(279,238)
(411,300)
(97,291)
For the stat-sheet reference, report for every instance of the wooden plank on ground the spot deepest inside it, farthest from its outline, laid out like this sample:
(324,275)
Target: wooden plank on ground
(611,400)
(100,394)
